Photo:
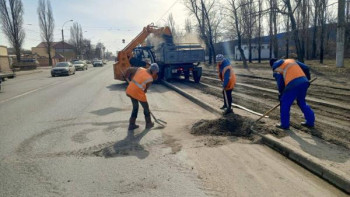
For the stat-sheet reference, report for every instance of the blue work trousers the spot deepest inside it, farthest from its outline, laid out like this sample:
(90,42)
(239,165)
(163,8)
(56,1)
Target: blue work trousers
(287,99)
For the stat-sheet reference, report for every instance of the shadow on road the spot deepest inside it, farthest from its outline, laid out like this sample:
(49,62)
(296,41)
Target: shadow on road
(108,110)
(118,87)
(129,146)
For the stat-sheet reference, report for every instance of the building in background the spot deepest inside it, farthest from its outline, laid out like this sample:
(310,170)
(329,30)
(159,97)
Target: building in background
(60,50)
(4,60)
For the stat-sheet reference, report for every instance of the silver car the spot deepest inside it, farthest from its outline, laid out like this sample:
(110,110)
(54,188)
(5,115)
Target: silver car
(63,68)
(80,65)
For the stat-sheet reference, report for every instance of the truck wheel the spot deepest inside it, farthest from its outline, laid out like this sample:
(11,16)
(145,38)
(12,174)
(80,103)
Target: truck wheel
(196,76)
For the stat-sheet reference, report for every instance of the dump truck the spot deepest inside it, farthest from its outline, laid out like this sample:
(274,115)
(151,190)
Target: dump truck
(174,60)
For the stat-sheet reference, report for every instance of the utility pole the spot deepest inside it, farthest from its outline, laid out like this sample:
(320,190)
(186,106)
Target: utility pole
(63,37)
(340,34)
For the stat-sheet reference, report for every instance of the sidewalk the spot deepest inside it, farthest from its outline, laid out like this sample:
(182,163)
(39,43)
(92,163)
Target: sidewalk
(28,72)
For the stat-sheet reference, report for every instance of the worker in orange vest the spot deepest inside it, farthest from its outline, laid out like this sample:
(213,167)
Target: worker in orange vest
(140,80)
(228,79)
(293,81)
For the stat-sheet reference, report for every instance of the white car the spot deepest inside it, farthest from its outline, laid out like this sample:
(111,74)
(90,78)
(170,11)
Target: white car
(63,68)
(80,65)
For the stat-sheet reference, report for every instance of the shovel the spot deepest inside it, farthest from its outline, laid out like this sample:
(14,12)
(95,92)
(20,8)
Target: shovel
(159,121)
(269,111)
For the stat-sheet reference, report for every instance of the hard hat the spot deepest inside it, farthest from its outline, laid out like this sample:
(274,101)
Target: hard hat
(154,68)
(219,58)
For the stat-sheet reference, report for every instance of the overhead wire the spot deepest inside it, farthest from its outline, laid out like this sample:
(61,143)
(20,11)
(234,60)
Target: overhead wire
(167,11)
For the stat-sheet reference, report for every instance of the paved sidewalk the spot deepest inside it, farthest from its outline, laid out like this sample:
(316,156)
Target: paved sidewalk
(28,72)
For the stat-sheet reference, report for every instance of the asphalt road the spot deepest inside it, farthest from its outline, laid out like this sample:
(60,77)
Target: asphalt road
(67,136)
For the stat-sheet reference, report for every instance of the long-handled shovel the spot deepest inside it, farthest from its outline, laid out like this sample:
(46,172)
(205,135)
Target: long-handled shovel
(226,101)
(270,110)
(159,121)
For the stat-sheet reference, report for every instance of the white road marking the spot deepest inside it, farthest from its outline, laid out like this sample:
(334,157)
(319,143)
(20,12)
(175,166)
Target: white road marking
(29,92)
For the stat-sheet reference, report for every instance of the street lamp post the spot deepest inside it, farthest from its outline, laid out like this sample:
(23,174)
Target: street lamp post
(63,37)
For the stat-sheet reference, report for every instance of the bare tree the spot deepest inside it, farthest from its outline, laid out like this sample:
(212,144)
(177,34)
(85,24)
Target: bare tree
(273,43)
(47,25)
(76,37)
(87,49)
(236,20)
(188,26)
(248,10)
(259,29)
(11,14)
(322,23)
(171,24)
(289,10)
(315,28)
(195,9)
(203,11)
(287,36)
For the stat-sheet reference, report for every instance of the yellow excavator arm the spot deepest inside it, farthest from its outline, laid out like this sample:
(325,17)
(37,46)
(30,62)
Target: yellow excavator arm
(124,56)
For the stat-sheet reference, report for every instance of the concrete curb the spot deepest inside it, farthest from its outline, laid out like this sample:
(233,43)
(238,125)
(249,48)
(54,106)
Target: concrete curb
(193,99)
(332,175)
(309,162)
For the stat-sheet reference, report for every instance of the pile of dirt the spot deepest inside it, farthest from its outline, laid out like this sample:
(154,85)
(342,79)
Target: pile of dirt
(231,125)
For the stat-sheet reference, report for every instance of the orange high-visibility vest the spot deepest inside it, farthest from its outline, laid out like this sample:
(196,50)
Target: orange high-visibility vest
(290,70)
(232,80)
(137,85)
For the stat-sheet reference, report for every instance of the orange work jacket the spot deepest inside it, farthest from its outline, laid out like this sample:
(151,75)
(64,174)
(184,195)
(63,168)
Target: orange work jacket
(137,85)
(290,70)
(232,80)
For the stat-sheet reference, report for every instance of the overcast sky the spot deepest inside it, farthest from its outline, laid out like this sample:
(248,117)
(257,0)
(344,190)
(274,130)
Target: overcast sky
(108,21)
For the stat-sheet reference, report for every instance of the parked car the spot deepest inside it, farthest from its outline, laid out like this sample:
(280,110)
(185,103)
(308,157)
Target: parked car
(88,61)
(97,63)
(63,68)
(80,65)
(26,64)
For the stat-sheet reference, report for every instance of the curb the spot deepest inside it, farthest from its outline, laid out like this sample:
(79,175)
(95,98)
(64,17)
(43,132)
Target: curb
(193,99)
(333,176)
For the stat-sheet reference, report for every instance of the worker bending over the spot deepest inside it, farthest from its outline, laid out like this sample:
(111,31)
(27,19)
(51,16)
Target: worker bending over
(228,79)
(292,81)
(140,80)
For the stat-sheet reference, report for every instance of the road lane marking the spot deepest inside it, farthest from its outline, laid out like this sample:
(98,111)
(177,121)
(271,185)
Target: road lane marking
(28,92)
(37,89)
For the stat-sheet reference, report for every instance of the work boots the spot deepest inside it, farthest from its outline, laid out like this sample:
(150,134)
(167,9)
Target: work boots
(132,124)
(149,123)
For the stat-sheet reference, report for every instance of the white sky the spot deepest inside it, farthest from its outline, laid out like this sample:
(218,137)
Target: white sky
(107,21)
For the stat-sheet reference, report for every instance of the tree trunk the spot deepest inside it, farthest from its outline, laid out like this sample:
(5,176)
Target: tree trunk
(250,49)
(314,35)
(18,52)
(271,36)
(298,47)
(287,39)
(275,41)
(259,33)
(340,34)
(323,26)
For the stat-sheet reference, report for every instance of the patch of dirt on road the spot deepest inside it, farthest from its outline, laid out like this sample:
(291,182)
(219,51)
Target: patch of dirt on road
(231,125)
